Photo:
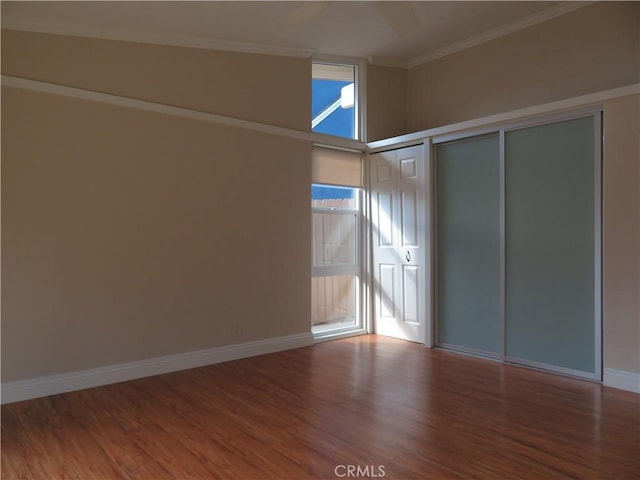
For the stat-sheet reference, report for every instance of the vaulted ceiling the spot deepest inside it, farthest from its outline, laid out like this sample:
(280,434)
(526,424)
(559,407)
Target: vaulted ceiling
(395,33)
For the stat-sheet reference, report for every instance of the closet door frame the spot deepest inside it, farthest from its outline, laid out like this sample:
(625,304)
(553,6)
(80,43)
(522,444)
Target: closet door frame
(596,112)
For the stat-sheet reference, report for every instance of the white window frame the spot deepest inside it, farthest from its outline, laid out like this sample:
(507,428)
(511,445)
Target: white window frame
(359,68)
(361,325)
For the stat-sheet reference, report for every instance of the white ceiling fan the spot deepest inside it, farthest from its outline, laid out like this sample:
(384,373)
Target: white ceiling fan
(399,15)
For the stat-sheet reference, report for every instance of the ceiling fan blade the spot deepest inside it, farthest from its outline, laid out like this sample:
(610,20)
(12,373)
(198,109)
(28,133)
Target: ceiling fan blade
(303,13)
(399,16)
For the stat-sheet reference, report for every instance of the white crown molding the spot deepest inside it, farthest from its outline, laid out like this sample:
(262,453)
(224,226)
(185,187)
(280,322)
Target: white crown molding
(386,62)
(106,98)
(338,59)
(55,384)
(57,28)
(543,16)
(622,380)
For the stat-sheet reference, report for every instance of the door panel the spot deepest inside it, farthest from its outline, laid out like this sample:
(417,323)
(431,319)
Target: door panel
(384,171)
(387,276)
(409,219)
(387,312)
(468,191)
(383,214)
(550,274)
(411,290)
(399,218)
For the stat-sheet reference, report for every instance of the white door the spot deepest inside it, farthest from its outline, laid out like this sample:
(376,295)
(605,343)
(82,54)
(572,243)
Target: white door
(399,217)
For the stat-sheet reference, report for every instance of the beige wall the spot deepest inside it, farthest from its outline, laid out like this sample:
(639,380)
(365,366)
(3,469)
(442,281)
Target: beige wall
(263,88)
(621,234)
(591,49)
(386,102)
(129,235)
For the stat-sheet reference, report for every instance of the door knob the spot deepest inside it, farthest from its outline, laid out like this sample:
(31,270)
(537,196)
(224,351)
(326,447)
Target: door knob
(408,256)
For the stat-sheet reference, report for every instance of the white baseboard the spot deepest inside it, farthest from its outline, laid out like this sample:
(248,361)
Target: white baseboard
(620,379)
(68,382)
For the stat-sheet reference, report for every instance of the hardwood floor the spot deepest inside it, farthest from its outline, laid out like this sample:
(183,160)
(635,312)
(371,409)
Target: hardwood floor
(367,406)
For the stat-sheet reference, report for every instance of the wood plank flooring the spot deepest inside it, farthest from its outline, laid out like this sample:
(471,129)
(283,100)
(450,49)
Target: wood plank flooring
(365,407)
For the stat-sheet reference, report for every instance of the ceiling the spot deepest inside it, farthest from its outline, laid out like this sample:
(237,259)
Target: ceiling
(358,29)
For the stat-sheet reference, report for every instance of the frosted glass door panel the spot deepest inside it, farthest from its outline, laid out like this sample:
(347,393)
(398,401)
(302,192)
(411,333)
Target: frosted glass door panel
(468,180)
(550,273)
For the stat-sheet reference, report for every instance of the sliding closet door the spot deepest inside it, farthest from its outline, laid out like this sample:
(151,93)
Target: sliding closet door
(551,245)
(468,245)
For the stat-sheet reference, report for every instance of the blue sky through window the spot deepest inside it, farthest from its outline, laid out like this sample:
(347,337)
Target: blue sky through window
(321,192)
(341,121)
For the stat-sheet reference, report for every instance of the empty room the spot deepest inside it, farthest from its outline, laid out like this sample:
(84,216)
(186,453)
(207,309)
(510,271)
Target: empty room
(316,240)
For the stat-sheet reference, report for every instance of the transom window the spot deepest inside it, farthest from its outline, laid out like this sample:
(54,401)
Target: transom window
(334,100)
